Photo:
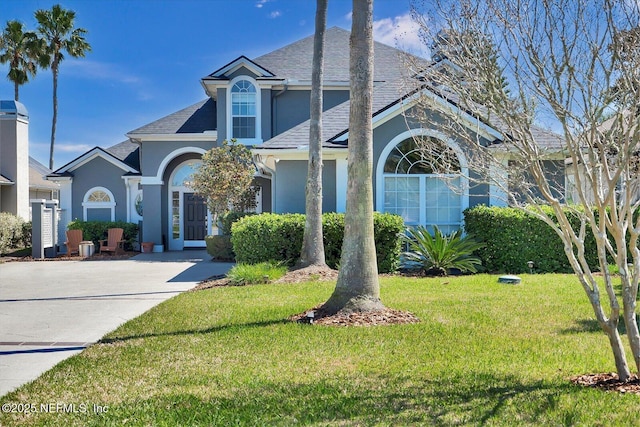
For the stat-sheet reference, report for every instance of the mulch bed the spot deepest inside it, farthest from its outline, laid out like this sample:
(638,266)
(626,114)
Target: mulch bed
(94,257)
(609,382)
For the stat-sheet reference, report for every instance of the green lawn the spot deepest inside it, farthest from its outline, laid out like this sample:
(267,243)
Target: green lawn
(484,353)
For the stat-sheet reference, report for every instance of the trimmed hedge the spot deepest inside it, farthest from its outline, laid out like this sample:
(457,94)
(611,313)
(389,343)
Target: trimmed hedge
(97,230)
(278,237)
(513,237)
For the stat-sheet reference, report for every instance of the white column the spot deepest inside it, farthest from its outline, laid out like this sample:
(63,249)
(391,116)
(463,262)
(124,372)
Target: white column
(341,185)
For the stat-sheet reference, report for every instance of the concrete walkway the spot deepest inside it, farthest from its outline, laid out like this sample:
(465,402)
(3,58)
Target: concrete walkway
(51,310)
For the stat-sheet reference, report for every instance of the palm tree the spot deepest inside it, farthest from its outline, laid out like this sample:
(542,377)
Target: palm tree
(56,27)
(358,289)
(312,243)
(20,50)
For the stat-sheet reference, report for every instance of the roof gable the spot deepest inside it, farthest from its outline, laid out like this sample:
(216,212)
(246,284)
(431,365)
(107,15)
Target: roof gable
(241,62)
(89,156)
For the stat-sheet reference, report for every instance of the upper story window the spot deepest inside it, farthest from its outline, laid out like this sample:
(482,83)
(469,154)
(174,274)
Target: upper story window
(243,110)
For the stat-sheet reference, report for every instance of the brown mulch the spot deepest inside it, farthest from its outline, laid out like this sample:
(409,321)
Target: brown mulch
(94,257)
(609,382)
(386,316)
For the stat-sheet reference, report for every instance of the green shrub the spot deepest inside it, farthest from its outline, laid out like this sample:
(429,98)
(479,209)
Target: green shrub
(268,237)
(220,248)
(264,272)
(437,255)
(12,232)
(279,237)
(226,221)
(97,230)
(512,237)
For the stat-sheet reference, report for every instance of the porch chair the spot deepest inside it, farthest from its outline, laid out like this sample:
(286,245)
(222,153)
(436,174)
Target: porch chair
(74,237)
(114,242)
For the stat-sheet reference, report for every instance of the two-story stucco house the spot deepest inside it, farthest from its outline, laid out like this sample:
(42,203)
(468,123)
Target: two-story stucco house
(264,102)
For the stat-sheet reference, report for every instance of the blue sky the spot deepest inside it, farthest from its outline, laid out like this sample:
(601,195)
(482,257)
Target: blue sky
(148,57)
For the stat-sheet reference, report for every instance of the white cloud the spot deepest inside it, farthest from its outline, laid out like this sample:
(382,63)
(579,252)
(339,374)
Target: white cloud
(73,148)
(275,14)
(261,3)
(402,32)
(98,71)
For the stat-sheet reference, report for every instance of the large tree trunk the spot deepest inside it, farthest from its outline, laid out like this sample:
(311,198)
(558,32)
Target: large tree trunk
(358,288)
(312,244)
(54,69)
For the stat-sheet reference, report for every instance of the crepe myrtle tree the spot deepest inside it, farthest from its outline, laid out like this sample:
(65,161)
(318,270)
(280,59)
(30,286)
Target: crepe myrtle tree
(565,62)
(225,179)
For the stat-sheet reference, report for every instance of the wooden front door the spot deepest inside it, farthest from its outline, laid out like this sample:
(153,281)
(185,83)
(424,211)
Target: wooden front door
(195,217)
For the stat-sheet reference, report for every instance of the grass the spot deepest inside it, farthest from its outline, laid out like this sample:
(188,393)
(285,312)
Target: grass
(254,274)
(484,353)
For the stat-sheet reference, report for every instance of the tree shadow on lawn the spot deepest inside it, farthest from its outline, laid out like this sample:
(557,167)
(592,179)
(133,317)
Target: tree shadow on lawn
(485,398)
(213,329)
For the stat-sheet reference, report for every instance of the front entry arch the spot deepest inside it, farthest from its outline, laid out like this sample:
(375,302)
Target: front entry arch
(189,220)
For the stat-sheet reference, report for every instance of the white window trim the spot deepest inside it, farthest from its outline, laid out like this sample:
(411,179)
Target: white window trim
(380,174)
(86,204)
(246,141)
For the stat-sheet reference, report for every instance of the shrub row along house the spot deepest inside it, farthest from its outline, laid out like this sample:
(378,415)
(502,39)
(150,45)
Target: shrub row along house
(264,103)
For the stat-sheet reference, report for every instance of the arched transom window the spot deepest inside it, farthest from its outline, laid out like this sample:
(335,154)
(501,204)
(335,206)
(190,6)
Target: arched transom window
(99,205)
(421,180)
(243,110)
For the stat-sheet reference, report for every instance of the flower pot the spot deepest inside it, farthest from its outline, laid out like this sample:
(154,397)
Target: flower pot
(147,247)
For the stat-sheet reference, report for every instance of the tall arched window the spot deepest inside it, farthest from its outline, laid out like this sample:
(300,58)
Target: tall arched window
(99,205)
(243,110)
(422,183)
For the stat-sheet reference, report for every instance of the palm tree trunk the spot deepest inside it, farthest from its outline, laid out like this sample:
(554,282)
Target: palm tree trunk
(312,244)
(54,69)
(15,91)
(358,288)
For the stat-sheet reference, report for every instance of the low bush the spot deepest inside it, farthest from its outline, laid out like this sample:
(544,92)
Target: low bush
(97,230)
(220,248)
(512,237)
(264,272)
(279,237)
(15,233)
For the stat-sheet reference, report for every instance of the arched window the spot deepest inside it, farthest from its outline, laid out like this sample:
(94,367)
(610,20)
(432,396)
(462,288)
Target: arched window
(422,183)
(99,205)
(243,110)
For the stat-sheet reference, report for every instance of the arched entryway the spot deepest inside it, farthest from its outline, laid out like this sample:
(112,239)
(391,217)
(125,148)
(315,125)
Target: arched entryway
(189,220)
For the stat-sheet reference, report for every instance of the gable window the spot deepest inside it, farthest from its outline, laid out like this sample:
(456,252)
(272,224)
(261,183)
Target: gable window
(422,184)
(243,110)
(99,205)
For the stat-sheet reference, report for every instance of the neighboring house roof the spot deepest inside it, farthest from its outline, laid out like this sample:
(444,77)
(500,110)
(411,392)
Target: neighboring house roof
(5,181)
(197,118)
(37,174)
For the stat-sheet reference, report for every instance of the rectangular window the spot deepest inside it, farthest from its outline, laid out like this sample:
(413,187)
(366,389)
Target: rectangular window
(402,197)
(244,127)
(175,214)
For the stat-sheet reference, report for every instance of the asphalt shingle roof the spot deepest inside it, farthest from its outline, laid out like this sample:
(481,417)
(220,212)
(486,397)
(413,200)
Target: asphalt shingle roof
(294,61)
(37,172)
(127,152)
(197,118)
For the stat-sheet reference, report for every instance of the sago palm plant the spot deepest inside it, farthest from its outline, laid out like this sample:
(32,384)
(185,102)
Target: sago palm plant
(436,255)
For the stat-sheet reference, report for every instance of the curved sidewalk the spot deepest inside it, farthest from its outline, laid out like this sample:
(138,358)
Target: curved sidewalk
(51,310)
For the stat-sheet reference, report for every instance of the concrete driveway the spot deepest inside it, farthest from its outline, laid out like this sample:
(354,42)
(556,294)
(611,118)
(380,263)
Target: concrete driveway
(51,310)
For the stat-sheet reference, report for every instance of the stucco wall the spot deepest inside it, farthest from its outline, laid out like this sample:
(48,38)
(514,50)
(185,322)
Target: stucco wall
(292,107)
(153,153)
(99,173)
(291,179)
